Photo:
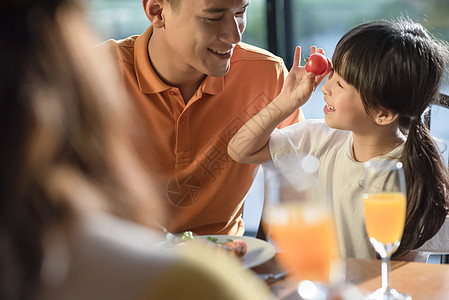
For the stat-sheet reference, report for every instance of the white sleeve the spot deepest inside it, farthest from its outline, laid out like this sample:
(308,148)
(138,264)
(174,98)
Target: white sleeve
(297,141)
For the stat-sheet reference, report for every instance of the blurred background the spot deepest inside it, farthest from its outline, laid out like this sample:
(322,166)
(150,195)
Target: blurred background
(280,25)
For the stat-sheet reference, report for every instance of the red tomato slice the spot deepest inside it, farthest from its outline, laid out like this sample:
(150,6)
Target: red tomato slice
(236,247)
(317,64)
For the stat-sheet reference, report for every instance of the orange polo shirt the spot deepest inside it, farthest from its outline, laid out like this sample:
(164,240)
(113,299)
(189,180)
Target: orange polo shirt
(186,144)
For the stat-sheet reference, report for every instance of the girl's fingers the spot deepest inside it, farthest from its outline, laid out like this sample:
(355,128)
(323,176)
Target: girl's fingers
(297,57)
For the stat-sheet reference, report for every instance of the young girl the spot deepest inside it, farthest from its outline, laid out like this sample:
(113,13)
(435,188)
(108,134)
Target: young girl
(384,76)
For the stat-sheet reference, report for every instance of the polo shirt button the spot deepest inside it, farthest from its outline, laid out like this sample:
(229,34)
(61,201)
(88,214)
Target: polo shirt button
(182,121)
(172,93)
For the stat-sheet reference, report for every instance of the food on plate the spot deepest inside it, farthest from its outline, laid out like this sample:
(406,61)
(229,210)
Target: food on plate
(317,64)
(187,235)
(236,247)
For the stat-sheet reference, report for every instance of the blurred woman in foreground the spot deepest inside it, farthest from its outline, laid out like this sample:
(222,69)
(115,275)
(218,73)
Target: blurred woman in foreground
(73,195)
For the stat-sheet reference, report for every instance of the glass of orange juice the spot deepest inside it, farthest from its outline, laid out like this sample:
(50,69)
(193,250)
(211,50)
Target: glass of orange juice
(300,223)
(384,202)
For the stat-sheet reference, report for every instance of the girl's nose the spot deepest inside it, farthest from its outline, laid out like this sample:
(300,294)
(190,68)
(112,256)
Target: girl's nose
(325,87)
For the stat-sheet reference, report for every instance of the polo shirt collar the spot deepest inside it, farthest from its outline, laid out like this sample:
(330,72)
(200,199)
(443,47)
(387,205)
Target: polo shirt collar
(212,85)
(150,83)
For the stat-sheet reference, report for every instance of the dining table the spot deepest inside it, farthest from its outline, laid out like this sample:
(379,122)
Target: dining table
(422,281)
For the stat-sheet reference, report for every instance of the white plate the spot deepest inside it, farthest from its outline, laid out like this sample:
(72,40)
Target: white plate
(258,251)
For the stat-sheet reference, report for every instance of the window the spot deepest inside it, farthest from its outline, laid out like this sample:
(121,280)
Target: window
(281,25)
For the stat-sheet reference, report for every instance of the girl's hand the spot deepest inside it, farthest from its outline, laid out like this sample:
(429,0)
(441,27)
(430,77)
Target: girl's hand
(299,85)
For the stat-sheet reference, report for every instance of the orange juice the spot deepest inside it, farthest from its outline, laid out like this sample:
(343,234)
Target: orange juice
(385,216)
(307,241)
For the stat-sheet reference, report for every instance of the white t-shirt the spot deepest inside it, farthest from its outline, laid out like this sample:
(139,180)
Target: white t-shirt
(339,176)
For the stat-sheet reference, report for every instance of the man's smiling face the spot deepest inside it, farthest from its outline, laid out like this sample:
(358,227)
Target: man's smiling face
(201,34)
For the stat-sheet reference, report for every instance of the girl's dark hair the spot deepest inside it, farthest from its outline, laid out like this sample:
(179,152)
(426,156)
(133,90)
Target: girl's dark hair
(398,66)
(65,131)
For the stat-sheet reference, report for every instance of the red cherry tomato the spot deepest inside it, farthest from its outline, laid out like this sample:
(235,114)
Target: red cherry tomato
(317,63)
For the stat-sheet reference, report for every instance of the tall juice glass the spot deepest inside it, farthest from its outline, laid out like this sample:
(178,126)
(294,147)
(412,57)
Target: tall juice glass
(307,244)
(301,225)
(384,202)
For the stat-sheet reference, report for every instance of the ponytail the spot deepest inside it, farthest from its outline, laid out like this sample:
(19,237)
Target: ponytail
(427,188)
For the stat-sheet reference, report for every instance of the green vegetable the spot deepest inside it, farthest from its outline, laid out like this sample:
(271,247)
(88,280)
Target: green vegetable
(212,239)
(215,240)
(187,235)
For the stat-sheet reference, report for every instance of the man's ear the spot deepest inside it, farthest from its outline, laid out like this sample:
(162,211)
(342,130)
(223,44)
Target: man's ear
(385,117)
(153,10)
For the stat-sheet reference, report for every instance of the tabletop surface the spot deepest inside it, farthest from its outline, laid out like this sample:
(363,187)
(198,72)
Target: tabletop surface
(420,280)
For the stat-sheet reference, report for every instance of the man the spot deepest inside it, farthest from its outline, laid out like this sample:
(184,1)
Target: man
(195,85)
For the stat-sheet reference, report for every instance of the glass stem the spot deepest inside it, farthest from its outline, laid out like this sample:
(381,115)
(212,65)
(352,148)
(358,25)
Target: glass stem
(385,269)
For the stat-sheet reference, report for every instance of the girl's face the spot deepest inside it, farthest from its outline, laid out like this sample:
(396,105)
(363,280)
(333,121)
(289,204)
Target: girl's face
(344,108)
